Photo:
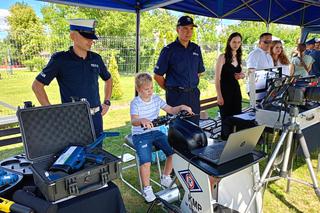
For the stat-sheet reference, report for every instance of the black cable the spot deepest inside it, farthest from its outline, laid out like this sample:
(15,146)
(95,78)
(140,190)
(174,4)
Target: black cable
(152,205)
(188,167)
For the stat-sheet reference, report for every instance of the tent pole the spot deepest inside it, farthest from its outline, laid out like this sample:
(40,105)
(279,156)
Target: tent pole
(137,40)
(137,43)
(219,32)
(303,36)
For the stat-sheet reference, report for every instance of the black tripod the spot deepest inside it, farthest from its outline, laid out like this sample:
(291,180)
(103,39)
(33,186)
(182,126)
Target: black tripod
(292,127)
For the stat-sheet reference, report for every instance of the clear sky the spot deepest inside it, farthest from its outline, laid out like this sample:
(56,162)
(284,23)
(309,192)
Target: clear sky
(36,5)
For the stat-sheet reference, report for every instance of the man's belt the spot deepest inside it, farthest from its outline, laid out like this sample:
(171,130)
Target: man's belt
(181,89)
(94,110)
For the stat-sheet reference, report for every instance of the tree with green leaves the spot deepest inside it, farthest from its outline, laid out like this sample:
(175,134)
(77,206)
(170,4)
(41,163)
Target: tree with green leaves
(251,31)
(26,31)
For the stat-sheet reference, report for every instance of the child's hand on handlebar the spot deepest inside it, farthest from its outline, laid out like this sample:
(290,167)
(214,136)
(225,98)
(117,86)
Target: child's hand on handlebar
(145,123)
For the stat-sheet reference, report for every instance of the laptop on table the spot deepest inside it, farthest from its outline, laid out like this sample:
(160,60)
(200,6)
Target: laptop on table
(238,144)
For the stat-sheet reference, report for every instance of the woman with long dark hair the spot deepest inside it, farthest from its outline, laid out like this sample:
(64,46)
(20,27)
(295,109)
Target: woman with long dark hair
(228,72)
(301,63)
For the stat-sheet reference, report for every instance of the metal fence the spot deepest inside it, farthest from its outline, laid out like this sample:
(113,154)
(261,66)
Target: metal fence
(15,53)
(14,58)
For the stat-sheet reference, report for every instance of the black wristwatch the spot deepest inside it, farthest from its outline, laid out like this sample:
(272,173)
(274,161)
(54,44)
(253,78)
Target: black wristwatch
(107,102)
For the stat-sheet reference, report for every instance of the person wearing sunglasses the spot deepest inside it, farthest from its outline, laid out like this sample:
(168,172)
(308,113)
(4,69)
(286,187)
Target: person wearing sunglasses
(259,59)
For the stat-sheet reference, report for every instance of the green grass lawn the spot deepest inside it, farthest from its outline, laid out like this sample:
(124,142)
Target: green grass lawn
(16,88)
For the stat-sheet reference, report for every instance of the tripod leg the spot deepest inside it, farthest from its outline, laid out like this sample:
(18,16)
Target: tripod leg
(318,166)
(306,153)
(266,171)
(284,170)
(294,150)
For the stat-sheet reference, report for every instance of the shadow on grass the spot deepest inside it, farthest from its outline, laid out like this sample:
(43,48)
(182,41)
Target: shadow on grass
(114,144)
(282,198)
(134,202)
(296,157)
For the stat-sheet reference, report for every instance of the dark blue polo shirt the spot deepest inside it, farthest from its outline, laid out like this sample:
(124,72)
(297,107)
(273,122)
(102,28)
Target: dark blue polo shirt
(76,76)
(315,70)
(181,65)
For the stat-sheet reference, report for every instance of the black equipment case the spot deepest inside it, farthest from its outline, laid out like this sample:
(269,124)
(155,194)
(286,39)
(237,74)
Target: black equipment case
(185,136)
(46,131)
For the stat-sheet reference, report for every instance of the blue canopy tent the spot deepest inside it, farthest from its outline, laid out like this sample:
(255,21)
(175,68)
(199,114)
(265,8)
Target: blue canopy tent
(302,13)
(306,30)
(292,12)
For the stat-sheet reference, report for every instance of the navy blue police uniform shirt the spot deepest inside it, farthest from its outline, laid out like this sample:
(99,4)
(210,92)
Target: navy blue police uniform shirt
(315,69)
(76,76)
(181,65)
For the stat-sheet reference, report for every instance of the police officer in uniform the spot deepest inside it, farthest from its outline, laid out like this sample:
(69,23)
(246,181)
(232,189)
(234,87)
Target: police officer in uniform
(179,66)
(77,71)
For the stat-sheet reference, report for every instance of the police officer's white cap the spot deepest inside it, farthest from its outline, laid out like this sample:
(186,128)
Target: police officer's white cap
(86,27)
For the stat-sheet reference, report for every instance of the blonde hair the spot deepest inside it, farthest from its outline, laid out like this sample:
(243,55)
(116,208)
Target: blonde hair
(142,78)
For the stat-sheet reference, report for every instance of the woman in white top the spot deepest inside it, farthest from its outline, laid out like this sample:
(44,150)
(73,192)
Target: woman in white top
(279,57)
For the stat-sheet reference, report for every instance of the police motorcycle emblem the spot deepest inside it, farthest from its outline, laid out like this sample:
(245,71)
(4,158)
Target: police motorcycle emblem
(190,181)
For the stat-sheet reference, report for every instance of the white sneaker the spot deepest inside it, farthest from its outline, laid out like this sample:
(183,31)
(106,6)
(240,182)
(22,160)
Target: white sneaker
(148,194)
(166,181)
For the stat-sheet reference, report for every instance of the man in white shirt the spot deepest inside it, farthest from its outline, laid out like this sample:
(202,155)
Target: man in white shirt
(259,59)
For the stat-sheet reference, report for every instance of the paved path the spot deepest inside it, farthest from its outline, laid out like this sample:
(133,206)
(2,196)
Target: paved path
(8,119)
(8,106)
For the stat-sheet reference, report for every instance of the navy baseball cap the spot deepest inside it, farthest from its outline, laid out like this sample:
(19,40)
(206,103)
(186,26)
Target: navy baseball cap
(311,41)
(85,27)
(185,21)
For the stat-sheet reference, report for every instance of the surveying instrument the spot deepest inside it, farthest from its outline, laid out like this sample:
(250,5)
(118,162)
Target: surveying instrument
(294,95)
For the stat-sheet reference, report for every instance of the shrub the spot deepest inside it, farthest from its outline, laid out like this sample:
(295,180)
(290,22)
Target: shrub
(35,64)
(116,85)
(203,84)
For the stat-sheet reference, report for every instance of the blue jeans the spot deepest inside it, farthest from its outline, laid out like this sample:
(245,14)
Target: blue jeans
(143,144)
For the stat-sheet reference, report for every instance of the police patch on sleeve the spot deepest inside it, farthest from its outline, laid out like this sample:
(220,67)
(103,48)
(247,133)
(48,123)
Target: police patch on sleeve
(43,74)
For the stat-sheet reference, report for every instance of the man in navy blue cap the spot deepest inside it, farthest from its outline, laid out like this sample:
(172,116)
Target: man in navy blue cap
(179,66)
(310,46)
(317,44)
(315,54)
(77,71)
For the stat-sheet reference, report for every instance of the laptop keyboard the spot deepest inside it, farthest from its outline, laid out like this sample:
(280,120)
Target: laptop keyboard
(215,151)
